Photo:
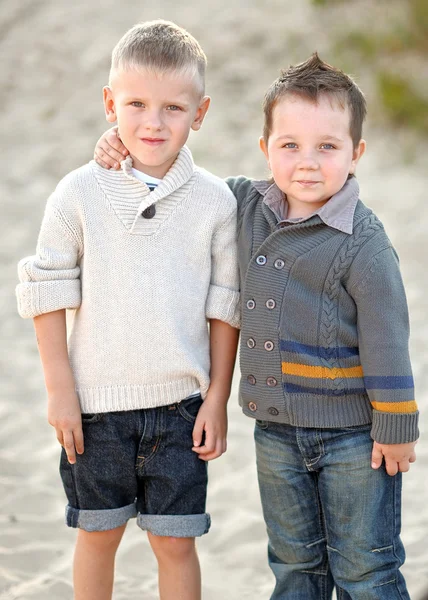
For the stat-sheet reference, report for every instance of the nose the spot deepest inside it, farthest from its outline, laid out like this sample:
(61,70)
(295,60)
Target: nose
(153,120)
(308,160)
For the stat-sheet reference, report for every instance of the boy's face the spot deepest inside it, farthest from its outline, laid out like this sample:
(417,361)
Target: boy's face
(310,151)
(154,112)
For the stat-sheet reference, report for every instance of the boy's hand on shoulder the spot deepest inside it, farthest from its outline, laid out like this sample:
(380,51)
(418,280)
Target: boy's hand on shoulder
(397,456)
(211,421)
(64,414)
(109,150)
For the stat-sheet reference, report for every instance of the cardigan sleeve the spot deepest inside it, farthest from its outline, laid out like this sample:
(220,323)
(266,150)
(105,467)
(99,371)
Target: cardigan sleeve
(50,280)
(223,295)
(242,189)
(383,339)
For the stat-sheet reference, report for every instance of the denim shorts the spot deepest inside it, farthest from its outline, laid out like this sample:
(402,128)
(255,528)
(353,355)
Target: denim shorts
(139,463)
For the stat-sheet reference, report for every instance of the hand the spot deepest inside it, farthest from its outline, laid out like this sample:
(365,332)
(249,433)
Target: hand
(397,456)
(109,150)
(64,414)
(211,420)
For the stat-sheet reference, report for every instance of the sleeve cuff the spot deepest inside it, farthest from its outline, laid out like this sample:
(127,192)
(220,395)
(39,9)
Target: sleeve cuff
(223,304)
(390,428)
(40,297)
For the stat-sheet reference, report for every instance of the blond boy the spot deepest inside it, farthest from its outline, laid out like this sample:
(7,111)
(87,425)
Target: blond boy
(145,257)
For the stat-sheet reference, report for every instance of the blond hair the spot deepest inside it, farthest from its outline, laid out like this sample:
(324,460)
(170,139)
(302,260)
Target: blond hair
(162,46)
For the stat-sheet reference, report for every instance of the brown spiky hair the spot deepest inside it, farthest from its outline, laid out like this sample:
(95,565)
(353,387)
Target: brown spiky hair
(162,46)
(310,80)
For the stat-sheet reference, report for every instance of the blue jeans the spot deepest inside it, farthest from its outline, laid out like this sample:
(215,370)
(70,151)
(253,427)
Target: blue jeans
(332,520)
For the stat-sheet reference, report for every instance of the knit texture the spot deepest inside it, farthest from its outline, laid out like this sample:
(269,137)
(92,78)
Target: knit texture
(142,289)
(325,329)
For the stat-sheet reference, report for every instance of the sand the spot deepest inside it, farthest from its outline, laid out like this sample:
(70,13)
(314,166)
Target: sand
(55,58)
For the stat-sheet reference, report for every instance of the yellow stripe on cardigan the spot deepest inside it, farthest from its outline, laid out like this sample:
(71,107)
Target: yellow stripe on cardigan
(321,372)
(409,406)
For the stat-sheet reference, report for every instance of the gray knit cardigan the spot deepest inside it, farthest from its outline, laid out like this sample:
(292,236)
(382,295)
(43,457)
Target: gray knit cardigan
(325,330)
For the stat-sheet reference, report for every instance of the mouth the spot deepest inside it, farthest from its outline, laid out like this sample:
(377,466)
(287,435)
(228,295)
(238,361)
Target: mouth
(307,182)
(152,141)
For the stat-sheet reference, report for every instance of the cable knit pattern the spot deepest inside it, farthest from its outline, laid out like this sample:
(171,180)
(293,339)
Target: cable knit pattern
(330,315)
(142,288)
(324,335)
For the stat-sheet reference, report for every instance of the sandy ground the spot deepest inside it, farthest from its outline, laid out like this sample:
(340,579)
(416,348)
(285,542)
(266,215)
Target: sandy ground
(55,58)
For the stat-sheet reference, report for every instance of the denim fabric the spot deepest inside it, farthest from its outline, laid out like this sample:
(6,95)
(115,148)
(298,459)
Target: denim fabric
(331,519)
(139,462)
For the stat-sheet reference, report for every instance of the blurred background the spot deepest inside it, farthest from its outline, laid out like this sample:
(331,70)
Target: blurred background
(54,62)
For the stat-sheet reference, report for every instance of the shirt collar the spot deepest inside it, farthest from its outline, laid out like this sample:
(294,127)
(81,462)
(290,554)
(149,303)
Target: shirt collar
(338,212)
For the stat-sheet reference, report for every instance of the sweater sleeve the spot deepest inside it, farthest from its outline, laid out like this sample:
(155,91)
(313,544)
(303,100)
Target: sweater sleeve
(50,280)
(383,338)
(223,295)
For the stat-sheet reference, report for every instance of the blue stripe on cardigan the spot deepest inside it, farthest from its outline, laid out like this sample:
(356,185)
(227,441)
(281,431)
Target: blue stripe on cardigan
(327,353)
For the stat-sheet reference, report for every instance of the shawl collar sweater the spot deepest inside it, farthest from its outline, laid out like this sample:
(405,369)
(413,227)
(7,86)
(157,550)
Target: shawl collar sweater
(141,289)
(325,329)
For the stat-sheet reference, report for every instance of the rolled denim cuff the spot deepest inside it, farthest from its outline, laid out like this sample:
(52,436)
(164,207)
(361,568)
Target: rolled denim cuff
(175,525)
(99,520)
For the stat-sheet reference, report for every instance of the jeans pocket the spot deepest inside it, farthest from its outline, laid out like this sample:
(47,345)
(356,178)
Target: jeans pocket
(189,408)
(91,417)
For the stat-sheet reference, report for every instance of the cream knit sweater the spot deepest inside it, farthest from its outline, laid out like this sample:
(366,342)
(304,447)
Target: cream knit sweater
(142,289)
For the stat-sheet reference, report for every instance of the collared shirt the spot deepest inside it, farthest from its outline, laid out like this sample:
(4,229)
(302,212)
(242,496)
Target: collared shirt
(338,212)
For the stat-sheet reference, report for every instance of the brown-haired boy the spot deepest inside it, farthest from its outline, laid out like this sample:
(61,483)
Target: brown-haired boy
(324,348)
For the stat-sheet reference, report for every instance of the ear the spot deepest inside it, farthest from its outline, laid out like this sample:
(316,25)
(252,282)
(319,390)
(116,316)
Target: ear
(264,148)
(357,154)
(109,104)
(201,112)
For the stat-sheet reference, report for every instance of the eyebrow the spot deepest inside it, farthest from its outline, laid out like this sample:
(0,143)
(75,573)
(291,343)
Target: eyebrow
(287,136)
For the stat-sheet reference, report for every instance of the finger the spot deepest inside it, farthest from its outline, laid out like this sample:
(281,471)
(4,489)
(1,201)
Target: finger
(216,453)
(113,138)
(404,466)
(78,440)
(112,153)
(60,437)
(198,431)
(391,467)
(210,442)
(102,164)
(209,456)
(107,157)
(377,457)
(69,447)
(412,458)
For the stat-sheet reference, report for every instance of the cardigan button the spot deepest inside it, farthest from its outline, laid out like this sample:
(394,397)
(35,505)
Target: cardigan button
(261,260)
(149,212)
(251,343)
(279,264)
(273,411)
(270,304)
(269,346)
(252,406)
(271,381)
(251,304)
(251,379)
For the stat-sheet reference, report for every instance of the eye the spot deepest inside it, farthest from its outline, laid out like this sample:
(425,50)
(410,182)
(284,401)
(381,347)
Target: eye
(290,145)
(173,107)
(327,146)
(137,104)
